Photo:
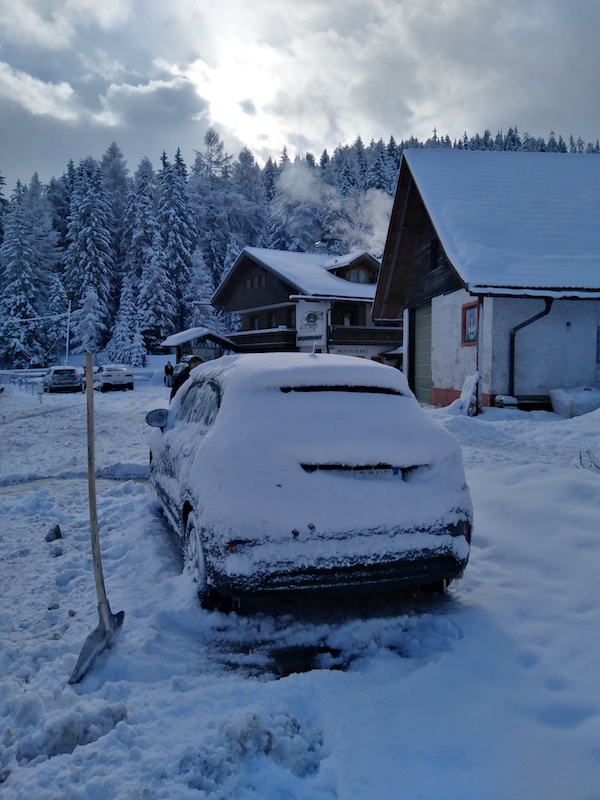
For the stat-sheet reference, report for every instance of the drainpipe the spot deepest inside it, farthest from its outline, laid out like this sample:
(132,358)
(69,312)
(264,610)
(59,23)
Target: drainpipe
(511,369)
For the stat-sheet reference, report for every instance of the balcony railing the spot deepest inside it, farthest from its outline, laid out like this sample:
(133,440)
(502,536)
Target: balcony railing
(273,337)
(356,334)
(285,339)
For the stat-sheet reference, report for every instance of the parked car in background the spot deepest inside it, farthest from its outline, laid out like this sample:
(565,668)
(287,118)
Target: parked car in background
(62,379)
(308,473)
(112,376)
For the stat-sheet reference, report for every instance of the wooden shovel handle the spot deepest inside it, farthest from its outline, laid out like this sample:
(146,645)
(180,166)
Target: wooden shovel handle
(89,390)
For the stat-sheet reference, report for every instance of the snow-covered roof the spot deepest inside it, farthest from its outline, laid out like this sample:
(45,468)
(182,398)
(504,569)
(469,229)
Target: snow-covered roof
(514,221)
(181,337)
(309,273)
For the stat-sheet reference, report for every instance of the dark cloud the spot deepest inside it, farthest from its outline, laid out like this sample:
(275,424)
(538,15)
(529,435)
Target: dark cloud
(156,101)
(248,107)
(148,120)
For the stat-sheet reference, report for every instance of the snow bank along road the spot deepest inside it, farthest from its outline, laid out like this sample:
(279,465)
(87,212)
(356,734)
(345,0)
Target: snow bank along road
(491,693)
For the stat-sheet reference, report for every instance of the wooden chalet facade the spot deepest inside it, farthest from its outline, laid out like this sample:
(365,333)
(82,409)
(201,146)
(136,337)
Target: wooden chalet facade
(300,301)
(492,261)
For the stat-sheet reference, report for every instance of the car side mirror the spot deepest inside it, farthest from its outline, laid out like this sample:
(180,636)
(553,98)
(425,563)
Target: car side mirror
(157,418)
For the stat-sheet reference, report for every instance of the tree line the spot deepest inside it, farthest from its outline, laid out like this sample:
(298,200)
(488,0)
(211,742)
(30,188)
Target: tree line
(117,262)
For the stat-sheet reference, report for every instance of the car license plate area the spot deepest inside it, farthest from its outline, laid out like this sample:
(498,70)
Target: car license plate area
(364,471)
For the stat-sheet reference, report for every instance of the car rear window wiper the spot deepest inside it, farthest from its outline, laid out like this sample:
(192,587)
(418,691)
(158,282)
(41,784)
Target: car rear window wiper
(357,389)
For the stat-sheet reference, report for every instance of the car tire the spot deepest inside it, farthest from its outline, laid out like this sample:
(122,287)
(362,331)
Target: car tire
(194,561)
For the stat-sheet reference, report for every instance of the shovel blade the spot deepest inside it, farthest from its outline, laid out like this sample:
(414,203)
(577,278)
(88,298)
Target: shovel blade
(105,635)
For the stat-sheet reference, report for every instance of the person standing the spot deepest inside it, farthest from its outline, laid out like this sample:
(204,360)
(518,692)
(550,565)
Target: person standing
(180,379)
(168,374)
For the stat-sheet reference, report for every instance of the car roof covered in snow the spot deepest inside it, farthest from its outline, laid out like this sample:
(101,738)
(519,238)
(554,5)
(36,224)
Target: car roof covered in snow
(269,370)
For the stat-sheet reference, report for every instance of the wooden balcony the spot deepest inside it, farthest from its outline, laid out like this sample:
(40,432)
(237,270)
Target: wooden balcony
(284,340)
(265,340)
(356,334)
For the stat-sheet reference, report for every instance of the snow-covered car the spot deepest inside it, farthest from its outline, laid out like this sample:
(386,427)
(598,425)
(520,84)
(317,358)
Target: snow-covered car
(62,379)
(112,376)
(292,472)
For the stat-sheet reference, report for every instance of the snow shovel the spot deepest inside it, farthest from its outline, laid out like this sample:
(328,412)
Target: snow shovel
(109,624)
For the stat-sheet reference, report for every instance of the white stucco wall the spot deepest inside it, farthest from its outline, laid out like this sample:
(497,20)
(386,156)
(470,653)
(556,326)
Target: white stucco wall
(557,351)
(450,362)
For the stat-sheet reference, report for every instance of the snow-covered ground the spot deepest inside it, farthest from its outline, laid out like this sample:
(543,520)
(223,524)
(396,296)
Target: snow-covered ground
(489,694)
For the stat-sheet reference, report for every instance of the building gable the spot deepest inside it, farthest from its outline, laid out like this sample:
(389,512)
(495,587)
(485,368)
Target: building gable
(250,284)
(415,267)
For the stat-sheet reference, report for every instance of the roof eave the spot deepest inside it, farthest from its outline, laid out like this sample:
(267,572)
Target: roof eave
(523,291)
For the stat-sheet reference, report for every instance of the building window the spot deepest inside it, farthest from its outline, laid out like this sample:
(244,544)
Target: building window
(470,324)
(256,281)
(248,284)
(263,279)
(254,323)
(273,319)
(359,275)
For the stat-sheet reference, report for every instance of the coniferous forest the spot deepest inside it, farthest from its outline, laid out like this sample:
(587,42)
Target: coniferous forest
(122,259)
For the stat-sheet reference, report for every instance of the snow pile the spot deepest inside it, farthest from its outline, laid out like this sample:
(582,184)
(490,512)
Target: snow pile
(576,401)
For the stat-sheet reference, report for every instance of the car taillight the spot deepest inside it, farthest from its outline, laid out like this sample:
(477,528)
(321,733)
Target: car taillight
(234,545)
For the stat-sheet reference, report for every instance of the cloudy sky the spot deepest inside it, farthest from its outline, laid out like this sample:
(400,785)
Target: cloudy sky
(76,75)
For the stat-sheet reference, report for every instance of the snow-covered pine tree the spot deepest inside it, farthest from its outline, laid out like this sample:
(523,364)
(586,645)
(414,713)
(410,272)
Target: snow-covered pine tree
(89,264)
(141,223)
(347,176)
(57,319)
(59,192)
(3,206)
(116,182)
(127,345)
(247,208)
(20,325)
(210,190)
(42,237)
(199,293)
(87,326)
(274,235)
(145,266)
(177,230)
(156,302)
(381,173)
(269,176)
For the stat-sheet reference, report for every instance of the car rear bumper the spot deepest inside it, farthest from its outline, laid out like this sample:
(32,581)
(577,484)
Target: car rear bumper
(53,387)
(411,570)
(114,385)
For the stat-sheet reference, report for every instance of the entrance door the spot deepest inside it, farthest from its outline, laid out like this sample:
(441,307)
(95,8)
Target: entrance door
(422,353)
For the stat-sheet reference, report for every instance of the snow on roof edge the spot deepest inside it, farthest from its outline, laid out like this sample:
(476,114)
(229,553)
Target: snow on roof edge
(516,291)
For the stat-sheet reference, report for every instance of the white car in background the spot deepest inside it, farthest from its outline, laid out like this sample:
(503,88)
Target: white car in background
(112,376)
(62,379)
(308,473)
